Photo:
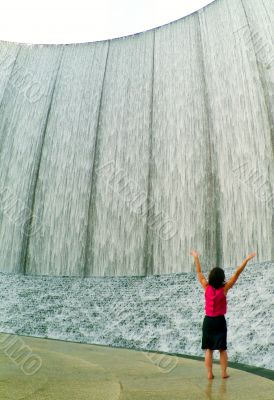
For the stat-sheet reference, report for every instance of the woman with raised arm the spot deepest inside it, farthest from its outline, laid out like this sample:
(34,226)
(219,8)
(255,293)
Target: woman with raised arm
(214,324)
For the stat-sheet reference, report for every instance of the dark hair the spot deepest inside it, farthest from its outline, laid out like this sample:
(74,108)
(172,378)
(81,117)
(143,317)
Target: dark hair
(216,277)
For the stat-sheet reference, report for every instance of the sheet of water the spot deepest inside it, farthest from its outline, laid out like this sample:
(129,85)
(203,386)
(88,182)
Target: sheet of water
(120,156)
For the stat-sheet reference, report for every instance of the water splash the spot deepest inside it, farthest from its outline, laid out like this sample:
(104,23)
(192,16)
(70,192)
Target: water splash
(162,313)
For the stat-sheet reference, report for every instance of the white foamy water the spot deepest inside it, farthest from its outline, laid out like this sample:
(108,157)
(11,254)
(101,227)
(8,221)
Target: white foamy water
(163,313)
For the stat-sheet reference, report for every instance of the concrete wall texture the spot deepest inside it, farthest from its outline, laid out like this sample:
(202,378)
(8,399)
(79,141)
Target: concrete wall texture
(119,157)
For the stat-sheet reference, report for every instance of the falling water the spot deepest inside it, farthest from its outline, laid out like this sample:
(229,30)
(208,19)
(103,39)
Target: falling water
(119,157)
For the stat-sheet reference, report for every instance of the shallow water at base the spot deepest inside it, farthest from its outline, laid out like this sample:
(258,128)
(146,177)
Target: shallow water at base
(163,313)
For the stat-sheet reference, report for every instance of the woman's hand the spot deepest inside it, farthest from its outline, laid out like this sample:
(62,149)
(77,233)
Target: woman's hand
(194,253)
(250,256)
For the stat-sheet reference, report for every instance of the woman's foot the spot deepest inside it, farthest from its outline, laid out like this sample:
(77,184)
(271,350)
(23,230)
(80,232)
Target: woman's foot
(210,375)
(225,376)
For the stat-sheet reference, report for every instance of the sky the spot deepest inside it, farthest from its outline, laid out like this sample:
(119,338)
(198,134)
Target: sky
(76,21)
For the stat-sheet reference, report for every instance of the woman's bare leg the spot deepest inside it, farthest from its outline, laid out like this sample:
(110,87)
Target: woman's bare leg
(223,363)
(208,363)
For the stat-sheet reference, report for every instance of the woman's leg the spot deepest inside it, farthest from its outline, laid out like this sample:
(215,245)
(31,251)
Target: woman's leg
(208,363)
(223,362)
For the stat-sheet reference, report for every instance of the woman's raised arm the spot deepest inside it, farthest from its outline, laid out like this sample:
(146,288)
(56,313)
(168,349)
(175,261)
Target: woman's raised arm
(201,277)
(238,272)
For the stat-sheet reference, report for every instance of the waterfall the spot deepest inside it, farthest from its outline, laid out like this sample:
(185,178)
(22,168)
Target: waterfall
(119,157)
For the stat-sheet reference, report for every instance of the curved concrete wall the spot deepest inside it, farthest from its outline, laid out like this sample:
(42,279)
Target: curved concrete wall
(119,157)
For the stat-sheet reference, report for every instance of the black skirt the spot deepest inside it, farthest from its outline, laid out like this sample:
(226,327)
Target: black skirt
(214,333)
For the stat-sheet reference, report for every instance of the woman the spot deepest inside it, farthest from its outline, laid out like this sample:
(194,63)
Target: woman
(214,323)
